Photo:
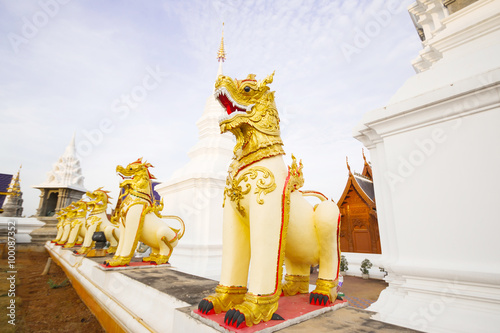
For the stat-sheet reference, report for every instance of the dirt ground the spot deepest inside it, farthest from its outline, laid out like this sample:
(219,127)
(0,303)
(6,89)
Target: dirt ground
(40,308)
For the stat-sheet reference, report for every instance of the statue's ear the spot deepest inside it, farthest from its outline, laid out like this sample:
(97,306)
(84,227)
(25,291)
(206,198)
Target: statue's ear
(267,80)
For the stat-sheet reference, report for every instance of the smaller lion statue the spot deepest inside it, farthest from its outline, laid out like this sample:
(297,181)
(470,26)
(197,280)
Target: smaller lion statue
(61,216)
(78,228)
(139,218)
(67,217)
(97,220)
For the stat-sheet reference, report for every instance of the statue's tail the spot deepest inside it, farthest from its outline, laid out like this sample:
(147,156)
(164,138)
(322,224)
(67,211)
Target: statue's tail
(181,231)
(316,194)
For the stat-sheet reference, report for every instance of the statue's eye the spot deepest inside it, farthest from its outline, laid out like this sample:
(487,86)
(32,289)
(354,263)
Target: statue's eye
(247,89)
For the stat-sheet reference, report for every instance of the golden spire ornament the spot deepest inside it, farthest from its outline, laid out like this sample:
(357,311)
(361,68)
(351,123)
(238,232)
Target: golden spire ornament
(221,54)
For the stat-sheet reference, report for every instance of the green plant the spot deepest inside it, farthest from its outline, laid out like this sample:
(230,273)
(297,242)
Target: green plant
(365,266)
(344,264)
(54,285)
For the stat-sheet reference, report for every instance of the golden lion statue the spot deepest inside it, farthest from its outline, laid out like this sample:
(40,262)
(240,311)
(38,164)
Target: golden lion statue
(140,219)
(266,219)
(62,216)
(97,220)
(70,219)
(78,229)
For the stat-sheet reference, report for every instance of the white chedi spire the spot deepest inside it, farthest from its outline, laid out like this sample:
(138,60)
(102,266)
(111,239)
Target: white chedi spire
(211,155)
(66,172)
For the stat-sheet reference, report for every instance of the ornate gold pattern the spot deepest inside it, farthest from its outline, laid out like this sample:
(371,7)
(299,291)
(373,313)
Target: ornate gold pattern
(295,284)
(226,297)
(235,192)
(99,201)
(296,176)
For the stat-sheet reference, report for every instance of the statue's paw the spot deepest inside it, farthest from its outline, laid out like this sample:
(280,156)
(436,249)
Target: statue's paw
(235,318)
(319,299)
(120,261)
(152,257)
(111,249)
(324,292)
(82,250)
(160,260)
(252,311)
(69,245)
(206,307)
(223,299)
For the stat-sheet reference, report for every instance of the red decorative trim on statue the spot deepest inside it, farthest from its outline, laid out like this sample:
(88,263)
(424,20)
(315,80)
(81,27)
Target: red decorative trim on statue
(338,247)
(283,203)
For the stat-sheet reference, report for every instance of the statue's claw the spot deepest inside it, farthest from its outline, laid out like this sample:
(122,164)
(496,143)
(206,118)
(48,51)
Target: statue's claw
(319,299)
(235,318)
(206,307)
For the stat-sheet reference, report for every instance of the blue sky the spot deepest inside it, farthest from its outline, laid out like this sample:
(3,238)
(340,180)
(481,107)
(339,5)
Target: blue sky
(68,66)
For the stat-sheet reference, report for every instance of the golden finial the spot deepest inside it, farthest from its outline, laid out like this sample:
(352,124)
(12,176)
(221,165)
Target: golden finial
(221,55)
(347,162)
(363,152)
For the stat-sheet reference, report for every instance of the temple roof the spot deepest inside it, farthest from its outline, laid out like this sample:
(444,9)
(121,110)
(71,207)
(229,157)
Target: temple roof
(361,183)
(66,172)
(366,185)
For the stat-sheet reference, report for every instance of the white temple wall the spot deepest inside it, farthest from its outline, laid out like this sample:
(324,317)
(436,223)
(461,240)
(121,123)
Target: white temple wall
(434,152)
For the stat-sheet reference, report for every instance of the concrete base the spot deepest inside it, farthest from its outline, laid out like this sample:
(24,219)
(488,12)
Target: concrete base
(161,299)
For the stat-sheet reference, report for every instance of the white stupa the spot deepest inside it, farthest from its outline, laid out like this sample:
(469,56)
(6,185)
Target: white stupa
(66,172)
(430,147)
(64,184)
(195,192)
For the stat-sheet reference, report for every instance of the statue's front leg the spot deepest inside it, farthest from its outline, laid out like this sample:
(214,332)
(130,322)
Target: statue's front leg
(81,234)
(129,237)
(60,231)
(66,231)
(73,236)
(267,254)
(87,241)
(111,233)
(235,260)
